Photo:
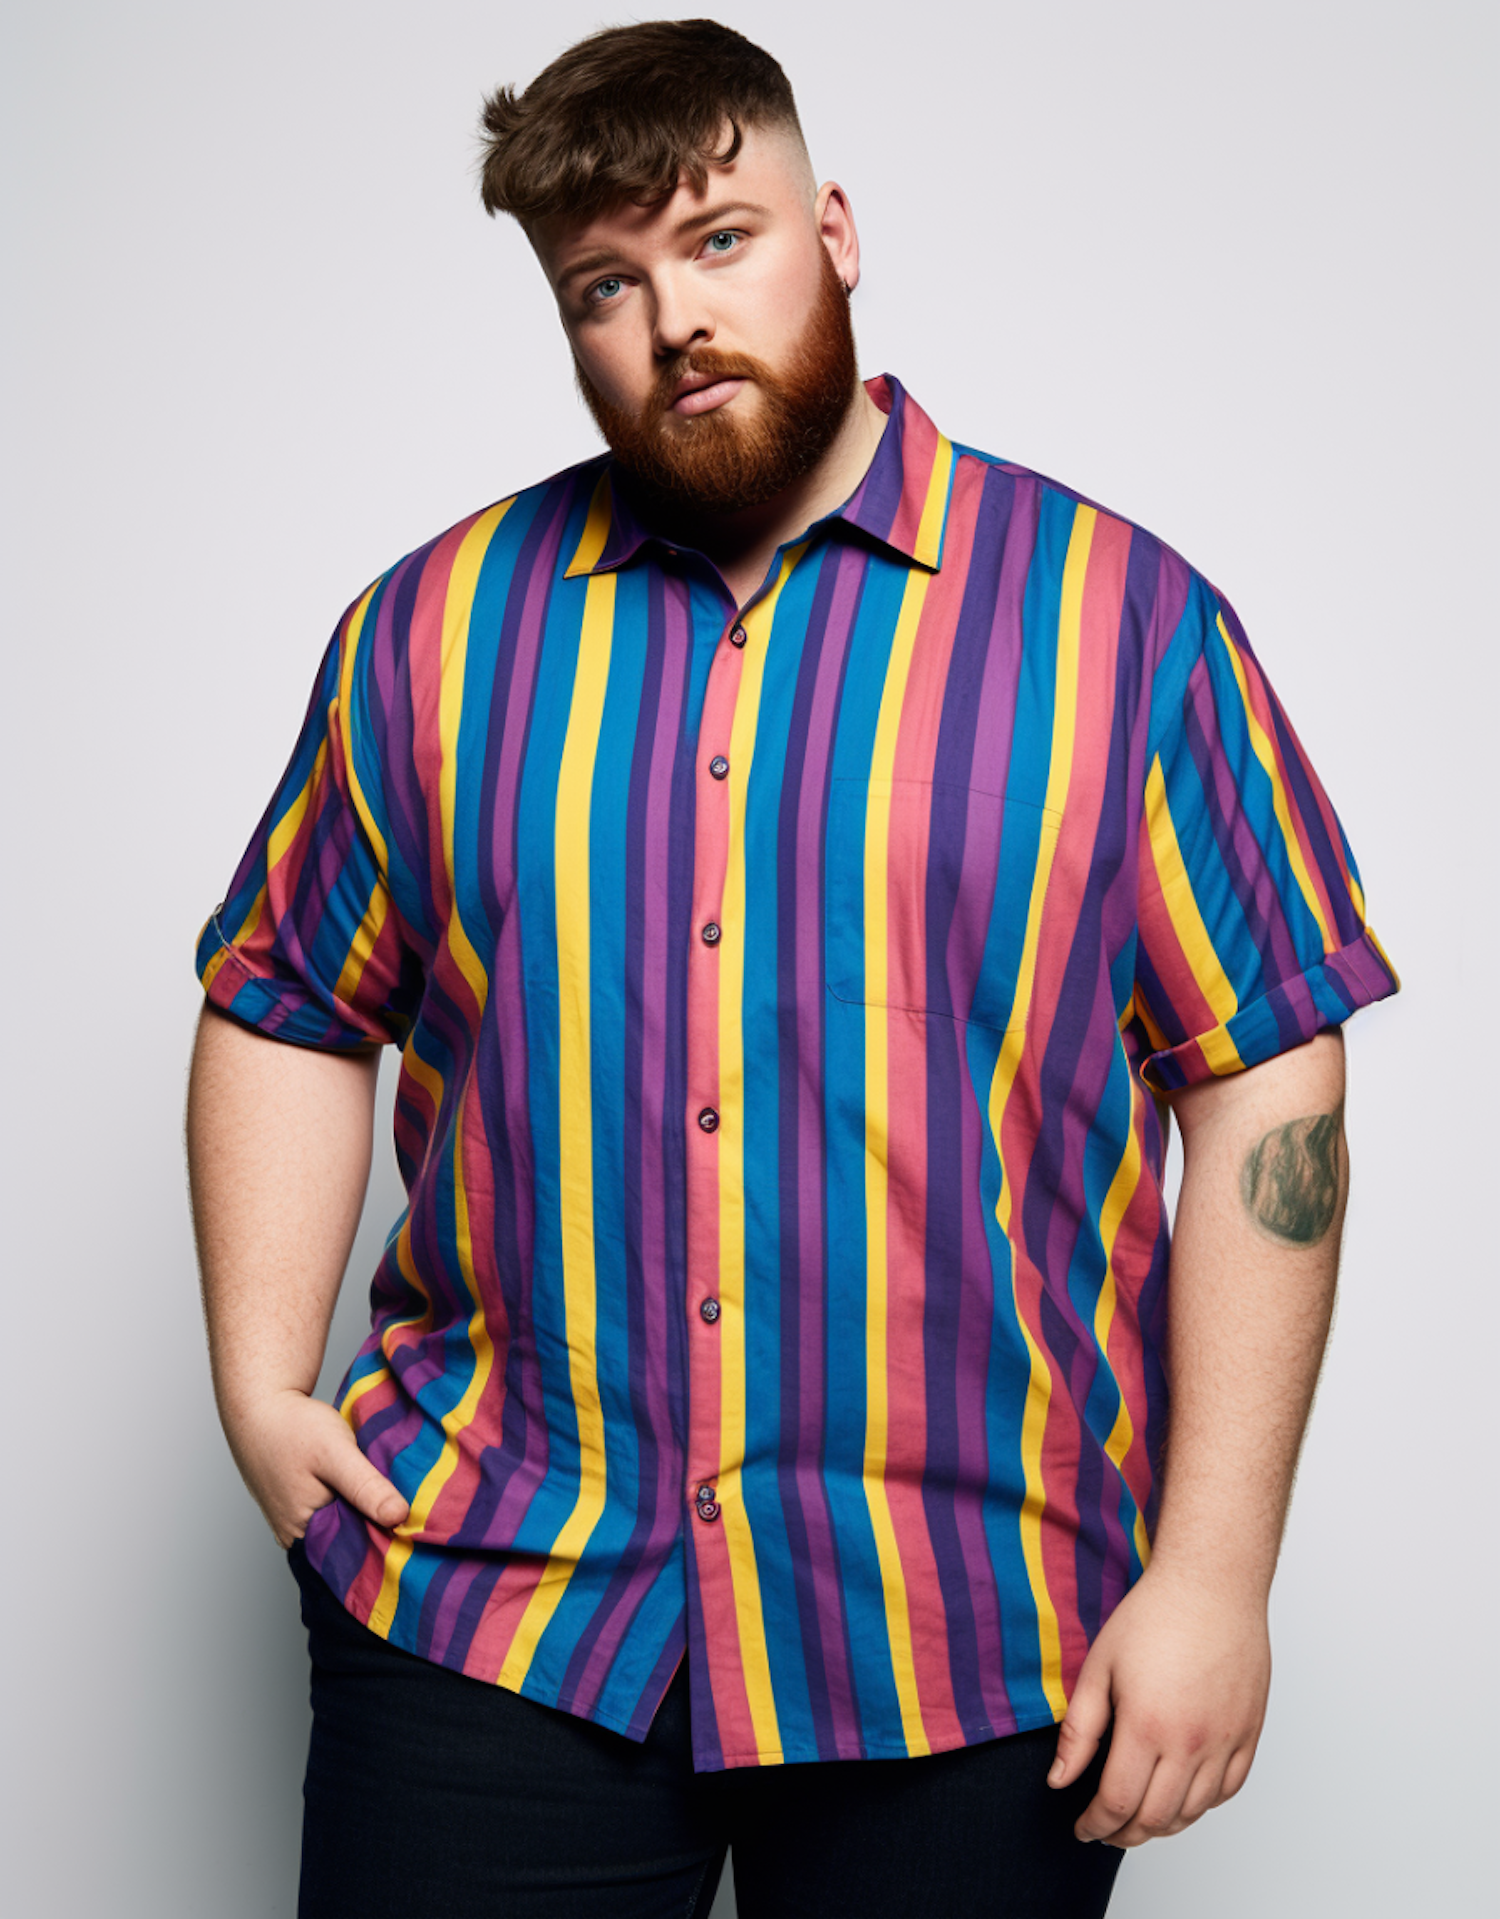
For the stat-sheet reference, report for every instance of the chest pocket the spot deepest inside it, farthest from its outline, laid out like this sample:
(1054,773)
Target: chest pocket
(928,888)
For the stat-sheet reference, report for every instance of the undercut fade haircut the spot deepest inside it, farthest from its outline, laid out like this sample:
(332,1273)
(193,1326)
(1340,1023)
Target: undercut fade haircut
(624,115)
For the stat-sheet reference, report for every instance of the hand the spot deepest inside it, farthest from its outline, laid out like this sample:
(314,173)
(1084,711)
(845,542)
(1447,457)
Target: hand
(295,1453)
(1186,1670)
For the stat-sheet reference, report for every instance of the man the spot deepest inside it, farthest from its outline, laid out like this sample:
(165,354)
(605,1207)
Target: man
(802,861)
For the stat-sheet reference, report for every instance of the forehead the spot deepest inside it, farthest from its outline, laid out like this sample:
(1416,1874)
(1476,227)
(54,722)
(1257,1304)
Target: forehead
(769,176)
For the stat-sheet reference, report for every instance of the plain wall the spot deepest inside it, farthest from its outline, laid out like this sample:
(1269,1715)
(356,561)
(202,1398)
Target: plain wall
(1224,269)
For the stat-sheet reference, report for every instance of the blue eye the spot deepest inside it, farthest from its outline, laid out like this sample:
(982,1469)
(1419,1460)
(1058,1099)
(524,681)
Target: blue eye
(725,233)
(605,289)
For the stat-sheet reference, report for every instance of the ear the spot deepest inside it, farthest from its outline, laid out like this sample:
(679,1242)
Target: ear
(834,218)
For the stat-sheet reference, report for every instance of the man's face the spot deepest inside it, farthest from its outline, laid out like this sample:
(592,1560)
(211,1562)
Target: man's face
(710,332)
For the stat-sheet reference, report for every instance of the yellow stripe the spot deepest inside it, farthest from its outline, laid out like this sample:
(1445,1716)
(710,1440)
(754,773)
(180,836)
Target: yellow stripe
(877,1159)
(1154,1033)
(350,646)
(575,1115)
(399,1551)
(730,1143)
(286,829)
(387,1332)
(877,1105)
(426,1076)
(1370,936)
(1116,1204)
(1265,752)
(595,531)
(930,528)
(362,1386)
(365,937)
(1039,1386)
(1187,924)
(211,970)
(458,605)
(247,929)
(455,1420)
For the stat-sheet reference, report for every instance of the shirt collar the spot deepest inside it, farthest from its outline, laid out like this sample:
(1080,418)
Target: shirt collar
(901,503)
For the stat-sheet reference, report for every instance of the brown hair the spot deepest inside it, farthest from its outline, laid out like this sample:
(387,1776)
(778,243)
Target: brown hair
(624,114)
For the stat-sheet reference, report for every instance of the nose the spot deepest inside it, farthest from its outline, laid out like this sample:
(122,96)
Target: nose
(683,319)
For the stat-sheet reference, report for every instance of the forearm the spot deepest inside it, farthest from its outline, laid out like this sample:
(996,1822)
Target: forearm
(1249,1301)
(1183,1664)
(279,1144)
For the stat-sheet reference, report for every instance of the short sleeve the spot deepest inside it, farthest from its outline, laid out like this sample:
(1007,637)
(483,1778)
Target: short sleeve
(307,945)
(1252,929)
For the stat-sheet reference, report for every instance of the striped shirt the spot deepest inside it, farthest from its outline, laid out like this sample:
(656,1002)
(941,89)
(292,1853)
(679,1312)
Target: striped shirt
(786,999)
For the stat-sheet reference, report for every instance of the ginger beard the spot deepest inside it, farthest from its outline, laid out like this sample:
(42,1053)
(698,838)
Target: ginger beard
(719,461)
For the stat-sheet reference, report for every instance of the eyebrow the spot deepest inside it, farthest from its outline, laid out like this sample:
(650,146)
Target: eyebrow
(710,217)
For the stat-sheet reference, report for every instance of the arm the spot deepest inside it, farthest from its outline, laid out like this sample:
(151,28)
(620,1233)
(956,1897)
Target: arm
(1184,1661)
(279,1144)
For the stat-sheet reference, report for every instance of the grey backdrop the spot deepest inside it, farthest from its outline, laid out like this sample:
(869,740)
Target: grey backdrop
(1222,268)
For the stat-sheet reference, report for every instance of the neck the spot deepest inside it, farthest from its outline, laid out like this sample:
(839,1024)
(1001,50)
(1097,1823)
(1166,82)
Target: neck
(742,544)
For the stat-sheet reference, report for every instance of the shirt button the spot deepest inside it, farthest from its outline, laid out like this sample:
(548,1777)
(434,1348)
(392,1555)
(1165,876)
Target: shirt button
(708,1119)
(708,1508)
(705,1491)
(711,933)
(737,637)
(710,1310)
(718,766)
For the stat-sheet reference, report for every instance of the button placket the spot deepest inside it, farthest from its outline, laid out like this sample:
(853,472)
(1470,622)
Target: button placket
(705,970)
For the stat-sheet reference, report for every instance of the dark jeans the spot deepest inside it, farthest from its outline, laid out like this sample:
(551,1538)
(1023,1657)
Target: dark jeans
(432,1796)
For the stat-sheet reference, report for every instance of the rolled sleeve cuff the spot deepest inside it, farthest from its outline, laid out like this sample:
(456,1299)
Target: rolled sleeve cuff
(1325,995)
(269,1003)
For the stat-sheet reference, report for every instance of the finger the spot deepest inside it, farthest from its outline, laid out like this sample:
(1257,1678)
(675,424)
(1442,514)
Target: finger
(1123,1784)
(1202,1794)
(318,1495)
(346,1469)
(288,1514)
(1235,1773)
(1161,1805)
(1083,1726)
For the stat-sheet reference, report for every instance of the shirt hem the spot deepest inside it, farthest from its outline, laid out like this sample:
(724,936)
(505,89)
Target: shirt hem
(603,1716)
(235,972)
(1287,1015)
(882,1750)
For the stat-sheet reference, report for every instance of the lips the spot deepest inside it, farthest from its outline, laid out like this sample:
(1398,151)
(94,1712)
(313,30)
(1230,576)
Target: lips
(701,393)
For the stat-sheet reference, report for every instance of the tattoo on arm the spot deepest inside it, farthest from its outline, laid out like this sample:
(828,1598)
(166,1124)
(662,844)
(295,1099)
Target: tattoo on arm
(1290,1179)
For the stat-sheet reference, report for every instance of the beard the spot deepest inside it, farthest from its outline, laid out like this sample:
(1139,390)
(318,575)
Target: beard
(717,462)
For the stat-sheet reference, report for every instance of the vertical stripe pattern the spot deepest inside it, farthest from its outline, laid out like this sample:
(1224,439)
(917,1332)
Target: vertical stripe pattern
(783,997)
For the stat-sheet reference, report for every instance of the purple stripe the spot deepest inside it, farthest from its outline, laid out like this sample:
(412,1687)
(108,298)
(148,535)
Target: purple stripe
(656,1277)
(1245,860)
(804,1498)
(638,1592)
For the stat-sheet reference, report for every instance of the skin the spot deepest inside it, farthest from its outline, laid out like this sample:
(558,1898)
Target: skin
(1183,1664)
(279,1146)
(280,1136)
(637,287)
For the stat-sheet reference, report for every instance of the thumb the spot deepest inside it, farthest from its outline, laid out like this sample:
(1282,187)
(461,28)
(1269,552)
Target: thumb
(346,1469)
(1084,1726)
